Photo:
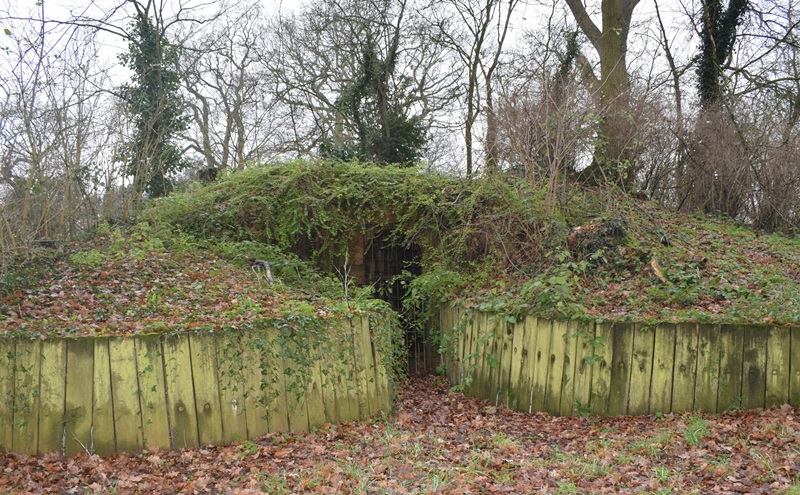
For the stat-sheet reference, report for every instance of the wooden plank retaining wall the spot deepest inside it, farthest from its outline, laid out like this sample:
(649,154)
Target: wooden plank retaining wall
(571,368)
(108,394)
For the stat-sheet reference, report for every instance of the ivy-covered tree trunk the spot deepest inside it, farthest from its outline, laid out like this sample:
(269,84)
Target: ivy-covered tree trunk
(154,102)
(718,33)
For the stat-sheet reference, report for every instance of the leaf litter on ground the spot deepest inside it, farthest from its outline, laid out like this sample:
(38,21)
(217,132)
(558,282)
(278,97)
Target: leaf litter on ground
(440,441)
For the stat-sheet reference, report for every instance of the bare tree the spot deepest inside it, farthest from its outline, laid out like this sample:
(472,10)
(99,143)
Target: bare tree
(476,31)
(611,85)
(317,63)
(233,116)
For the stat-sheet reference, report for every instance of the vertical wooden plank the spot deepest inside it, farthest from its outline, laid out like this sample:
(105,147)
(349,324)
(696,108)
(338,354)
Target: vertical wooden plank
(180,392)
(26,396)
(518,391)
(362,389)
(729,395)
(541,358)
(467,320)
(483,341)
(706,385)
(383,388)
(367,363)
(52,391)
(601,368)
(125,394)
(232,384)
(293,375)
(79,396)
(103,439)
(587,348)
(529,371)
(683,379)
(347,391)
(7,366)
(570,363)
(152,392)
(316,401)
(621,368)
(754,376)
(642,370)
(206,389)
(447,347)
(504,357)
(663,368)
(778,351)
(794,367)
(555,368)
(336,370)
(255,402)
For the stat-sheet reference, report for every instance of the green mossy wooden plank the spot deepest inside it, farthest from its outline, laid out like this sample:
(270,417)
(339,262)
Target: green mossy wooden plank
(206,389)
(125,394)
(152,392)
(293,380)
(555,368)
(26,397)
(529,372)
(465,327)
(663,368)
(337,375)
(683,379)
(329,381)
(506,359)
(585,356)
(778,354)
(52,390)
(619,391)
(361,370)
(232,385)
(794,367)
(493,360)
(180,392)
(316,401)
(368,362)
(754,366)
(466,371)
(641,370)
(449,341)
(708,360)
(381,357)
(570,361)
(79,396)
(519,361)
(273,381)
(729,395)
(601,369)
(7,360)
(103,440)
(253,354)
(481,357)
(541,358)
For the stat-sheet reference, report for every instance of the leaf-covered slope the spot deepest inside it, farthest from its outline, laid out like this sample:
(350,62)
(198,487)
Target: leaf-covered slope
(123,283)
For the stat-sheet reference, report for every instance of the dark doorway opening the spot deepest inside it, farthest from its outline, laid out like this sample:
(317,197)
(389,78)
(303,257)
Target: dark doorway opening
(384,262)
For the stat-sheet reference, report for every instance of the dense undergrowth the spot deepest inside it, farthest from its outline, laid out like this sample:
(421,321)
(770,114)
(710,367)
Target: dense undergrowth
(496,244)
(491,244)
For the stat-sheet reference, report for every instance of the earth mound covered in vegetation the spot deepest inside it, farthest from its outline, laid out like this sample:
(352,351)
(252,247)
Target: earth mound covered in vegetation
(503,244)
(494,244)
(146,279)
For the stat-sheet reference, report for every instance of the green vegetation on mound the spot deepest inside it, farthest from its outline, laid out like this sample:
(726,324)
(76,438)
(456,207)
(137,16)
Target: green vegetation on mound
(491,244)
(150,279)
(497,244)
